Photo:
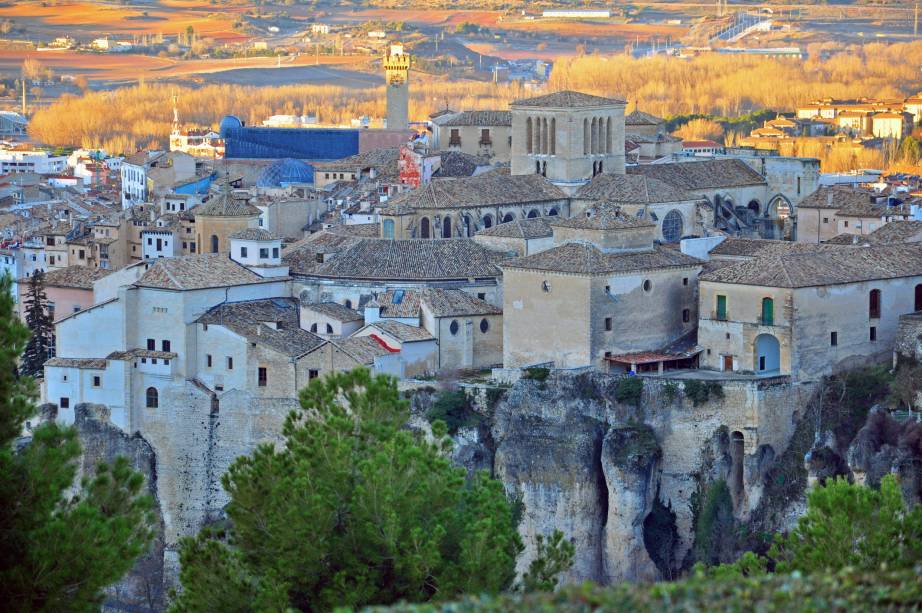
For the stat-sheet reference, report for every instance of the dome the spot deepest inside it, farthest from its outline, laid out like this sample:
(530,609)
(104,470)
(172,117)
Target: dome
(228,122)
(283,172)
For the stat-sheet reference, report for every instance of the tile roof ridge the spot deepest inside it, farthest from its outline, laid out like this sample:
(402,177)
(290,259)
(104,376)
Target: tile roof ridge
(166,269)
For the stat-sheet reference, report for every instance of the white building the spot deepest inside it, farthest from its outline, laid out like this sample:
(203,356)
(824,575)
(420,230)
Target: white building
(39,162)
(159,243)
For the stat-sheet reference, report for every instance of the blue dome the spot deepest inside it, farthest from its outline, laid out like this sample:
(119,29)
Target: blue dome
(285,171)
(228,122)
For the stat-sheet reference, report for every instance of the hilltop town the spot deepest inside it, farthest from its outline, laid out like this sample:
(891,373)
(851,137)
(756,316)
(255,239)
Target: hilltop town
(589,282)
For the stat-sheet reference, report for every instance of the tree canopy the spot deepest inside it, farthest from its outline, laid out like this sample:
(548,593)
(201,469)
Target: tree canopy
(59,548)
(354,509)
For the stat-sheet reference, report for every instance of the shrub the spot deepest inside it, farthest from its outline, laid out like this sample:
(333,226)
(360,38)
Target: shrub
(630,389)
(701,391)
(537,373)
(670,391)
(453,408)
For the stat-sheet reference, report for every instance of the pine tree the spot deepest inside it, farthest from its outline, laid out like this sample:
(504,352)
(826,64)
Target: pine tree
(355,510)
(39,322)
(58,549)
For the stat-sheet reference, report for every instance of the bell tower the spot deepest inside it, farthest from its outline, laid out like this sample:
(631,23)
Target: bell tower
(396,76)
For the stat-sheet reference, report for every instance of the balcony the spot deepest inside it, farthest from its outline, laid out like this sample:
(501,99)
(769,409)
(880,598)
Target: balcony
(454,142)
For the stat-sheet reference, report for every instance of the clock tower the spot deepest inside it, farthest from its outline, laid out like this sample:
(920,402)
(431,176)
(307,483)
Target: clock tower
(396,76)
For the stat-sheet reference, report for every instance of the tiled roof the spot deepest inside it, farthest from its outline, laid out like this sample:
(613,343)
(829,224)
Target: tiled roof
(731,246)
(399,303)
(639,118)
(488,189)
(536,227)
(253,234)
(868,209)
(453,258)
(456,303)
(567,100)
(198,272)
(247,319)
(584,258)
(695,175)
(141,353)
(603,217)
(334,310)
(302,257)
(358,230)
(632,189)
(223,204)
(380,159)
(78,277)
(459,164)
(830,266)
(92,363)
(480,118)
(896,232)
(651,138)
(835,198)
(404,333)
(363,349)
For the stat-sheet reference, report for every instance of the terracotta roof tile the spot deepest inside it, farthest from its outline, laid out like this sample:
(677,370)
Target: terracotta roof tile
(78,277)
(488,189)
(248,319)
(632,189)
(456,303)
(480,118)
(536,227)
(567,99)
(586,259)
(697,175)
(198,272)
(334,310)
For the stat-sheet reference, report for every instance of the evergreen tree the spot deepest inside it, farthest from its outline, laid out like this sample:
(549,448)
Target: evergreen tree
(58,549)
(910,151)
(38,349)
(353,510)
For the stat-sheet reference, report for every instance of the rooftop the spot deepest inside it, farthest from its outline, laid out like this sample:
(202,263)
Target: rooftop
(586,259)
(224,204)
(334,311)
(535,227)
(604,217)
(697,175)
(567,99)
(399,303)
(200,271)
(364,349)
(404,333)
(639,118)
(253,234)
(480,118)
(632,189)
(456,303)
(249,319)
(77,277)
(835,198)
(488,189)
(829,266)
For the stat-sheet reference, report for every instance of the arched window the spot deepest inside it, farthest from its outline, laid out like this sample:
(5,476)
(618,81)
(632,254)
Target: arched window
(600,166)
(672,226)
(453,327)
(529,142)
(543,169)
(329,329)
(424,230)
(585,137)
(544,143)
(754,206)
(553,135)
(152,398)
(552,213)
(214,243)
(487,221)
(446,227)
(874,304)
(314,328)
(348,303)
(608,140)
(388,228)
(468,229)
(537,167)
(532,213)
(508,217)
(768,312)
(919,297)
(593,136)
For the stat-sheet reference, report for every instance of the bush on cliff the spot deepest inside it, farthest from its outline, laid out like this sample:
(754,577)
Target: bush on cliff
(58,550)
(354,509)
(454,408)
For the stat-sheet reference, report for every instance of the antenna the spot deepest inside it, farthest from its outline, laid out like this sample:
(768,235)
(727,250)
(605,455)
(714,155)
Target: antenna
(23,96)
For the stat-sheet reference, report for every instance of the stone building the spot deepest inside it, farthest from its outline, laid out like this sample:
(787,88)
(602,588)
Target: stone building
(568,137)
(831,211)
(522,236)
(220,217)
(604,290)
(807,313)
(649,133)
(486,134)
(396,76)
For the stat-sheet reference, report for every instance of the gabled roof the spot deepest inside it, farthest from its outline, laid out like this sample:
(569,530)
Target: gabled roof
(200,271)
(480,118)
(567,99)
(698,175)
(586,259)
(76,277)
(402,303)
(248,319)
(456,303)
(225,205)
(253,234)
(334,310)
(527,229)
(363,349)
(488,189)
(639,118)
(835,198)
(632,189)
(404,333)
(829,266)
(603,217)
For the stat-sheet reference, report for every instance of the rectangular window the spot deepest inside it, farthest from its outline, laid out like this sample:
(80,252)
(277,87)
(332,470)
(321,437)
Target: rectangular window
(275,252)
(151,344)
(313,374)
(192,247)
(873,334)
(230,363)
(684,280)
(834,338)
(65,402)
(264,254)
(686,316)
(243,252)
(165,345)
(261,376)
(483,296)
(825,220)
(845,223)
(97,380)
(208,360)
(608,324)
(721,308)
(150,241)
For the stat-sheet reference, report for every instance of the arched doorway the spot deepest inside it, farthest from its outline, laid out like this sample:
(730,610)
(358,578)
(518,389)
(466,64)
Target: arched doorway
(446,227)
(424,228)
(768,354)
(488,221)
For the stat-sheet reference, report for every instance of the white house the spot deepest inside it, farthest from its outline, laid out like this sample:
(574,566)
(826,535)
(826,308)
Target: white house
(159,243)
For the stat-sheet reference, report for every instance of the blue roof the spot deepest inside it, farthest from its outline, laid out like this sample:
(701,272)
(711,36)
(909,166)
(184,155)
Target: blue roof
(285,171)
(228,122)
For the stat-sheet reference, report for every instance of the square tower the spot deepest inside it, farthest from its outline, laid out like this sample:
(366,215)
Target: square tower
(569,137)
(396,76)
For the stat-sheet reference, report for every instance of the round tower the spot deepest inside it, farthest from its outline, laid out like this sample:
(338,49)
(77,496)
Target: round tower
(396,76)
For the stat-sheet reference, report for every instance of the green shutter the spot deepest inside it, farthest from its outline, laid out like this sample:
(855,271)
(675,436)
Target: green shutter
(768,311)
(721,307)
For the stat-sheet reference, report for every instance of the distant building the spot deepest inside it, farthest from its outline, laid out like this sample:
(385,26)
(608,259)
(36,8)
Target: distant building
(396,78)
(12,124)
(31,160)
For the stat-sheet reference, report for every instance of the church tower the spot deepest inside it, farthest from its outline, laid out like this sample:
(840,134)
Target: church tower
(396,75)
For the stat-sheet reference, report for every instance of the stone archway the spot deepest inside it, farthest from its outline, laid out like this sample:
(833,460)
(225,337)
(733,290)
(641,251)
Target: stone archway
(446,227)
(767,354)
(755,207)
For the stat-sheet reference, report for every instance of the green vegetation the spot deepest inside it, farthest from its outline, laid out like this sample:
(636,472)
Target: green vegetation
(701,391)
(714,525)
(554,556)
(630,390)
(454,408)
(354,510)
(671,391)
(633,442)
(59,551)
(38,350)
(537,374)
